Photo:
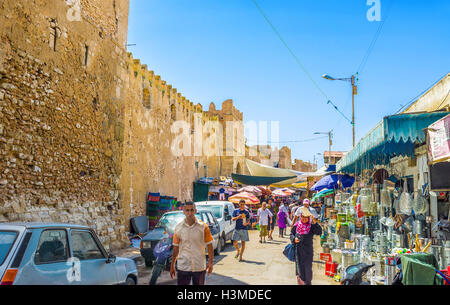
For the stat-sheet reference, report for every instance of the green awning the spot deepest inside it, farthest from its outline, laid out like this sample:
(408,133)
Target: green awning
(394,136)
(258,180)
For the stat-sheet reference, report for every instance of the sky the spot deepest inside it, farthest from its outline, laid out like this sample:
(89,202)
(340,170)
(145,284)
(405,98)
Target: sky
(214,50)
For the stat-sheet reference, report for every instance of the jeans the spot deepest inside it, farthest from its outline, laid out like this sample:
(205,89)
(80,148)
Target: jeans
(185,277)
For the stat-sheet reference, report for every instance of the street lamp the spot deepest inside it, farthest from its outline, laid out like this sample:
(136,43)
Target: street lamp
(315,161)
(330,135)
(354,92)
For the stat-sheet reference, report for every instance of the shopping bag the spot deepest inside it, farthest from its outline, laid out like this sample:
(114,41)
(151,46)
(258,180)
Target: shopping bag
(289,252)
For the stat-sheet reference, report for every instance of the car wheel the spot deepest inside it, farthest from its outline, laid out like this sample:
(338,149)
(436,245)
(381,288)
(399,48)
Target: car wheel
(130,281)
(219,246)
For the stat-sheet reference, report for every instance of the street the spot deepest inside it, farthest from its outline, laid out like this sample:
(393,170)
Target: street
(264,264)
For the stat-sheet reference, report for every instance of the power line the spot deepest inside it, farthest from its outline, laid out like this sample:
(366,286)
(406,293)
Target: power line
(374,40)
(419,95)
(295,141)
(298,61)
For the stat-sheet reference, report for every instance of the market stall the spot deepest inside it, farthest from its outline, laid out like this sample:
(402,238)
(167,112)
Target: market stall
(386,215)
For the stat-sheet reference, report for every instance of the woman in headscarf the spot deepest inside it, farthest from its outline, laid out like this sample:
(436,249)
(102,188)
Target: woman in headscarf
(302,234)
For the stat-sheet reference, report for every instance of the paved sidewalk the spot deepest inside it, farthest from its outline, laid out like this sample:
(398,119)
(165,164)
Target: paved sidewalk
(264,264)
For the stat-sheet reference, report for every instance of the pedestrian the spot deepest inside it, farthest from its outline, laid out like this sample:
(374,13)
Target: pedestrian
(302,233)
(285,209)
(273,210)
(242,218)
(306,203)
(281,222)
(222,194)
(264,219)
(189,241)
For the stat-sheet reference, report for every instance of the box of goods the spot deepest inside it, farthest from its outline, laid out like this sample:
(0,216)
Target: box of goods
(325,257)
(342,217)
(152,210)
(330,268)
(153,197)
(331,212)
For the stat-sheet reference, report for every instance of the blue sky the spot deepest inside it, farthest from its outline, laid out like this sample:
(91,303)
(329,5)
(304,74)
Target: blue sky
(213,50)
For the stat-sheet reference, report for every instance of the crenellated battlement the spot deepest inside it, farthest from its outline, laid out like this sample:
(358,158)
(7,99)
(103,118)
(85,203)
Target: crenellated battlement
(184,107)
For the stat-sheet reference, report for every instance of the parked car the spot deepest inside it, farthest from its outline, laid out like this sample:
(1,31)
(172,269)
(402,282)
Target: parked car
(59,254)
(166,228)
(223,211)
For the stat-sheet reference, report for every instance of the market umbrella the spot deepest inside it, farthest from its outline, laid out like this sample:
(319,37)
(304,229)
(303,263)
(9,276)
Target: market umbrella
(248,197)
(322,193)
(279,193)
(265,190)
(331,182)
(288,191)
(251,189)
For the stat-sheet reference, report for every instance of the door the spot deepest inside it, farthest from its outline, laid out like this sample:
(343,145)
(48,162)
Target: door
(46,263)
(9,238)
(230,224)
(91,257)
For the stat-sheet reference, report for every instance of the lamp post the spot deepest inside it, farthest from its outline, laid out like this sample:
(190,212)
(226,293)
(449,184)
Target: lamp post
(330,135)
(354,92)
(315,161)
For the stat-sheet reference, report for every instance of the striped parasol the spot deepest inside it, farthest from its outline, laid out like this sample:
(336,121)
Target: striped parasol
(248,197)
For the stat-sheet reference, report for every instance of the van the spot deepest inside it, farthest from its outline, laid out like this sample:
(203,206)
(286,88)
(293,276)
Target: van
(223,211)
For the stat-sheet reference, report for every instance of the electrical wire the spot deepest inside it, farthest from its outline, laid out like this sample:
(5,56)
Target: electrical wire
(374,40)
(295,141)
(413,100)
(298,61)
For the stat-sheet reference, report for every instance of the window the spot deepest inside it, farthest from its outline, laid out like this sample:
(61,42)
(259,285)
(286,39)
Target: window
(7,240)
(52,248)
(211,219)
(84,246)
(86,55)
(53,34)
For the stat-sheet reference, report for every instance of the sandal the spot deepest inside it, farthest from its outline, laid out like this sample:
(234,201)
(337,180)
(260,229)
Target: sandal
(237,255)
(260,241)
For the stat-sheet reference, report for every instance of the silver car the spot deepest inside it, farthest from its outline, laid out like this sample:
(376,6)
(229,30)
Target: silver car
(59,254)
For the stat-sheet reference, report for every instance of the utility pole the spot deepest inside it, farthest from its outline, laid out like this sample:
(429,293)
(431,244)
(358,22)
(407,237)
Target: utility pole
(354,92)
(329,138)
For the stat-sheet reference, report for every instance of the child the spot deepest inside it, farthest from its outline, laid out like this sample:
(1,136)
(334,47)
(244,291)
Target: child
(281,221)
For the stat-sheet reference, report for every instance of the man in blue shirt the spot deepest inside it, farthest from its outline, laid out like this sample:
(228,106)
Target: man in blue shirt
(242,218)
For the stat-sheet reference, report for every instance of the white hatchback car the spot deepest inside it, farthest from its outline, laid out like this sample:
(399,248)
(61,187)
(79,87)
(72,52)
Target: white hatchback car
(223,211)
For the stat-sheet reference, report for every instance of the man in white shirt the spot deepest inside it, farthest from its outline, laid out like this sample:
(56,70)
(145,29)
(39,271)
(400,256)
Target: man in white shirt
(264,219)
(189,241)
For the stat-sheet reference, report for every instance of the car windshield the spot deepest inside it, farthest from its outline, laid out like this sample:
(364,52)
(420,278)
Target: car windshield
(6,241)
(169,221)
(215,209)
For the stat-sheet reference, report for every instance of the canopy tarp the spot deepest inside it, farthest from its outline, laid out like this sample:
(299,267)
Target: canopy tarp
(331,182)
(262,170)
(394,136)
(301,185)
(258,180)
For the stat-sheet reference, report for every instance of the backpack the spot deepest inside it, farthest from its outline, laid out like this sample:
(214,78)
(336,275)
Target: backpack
(289,252)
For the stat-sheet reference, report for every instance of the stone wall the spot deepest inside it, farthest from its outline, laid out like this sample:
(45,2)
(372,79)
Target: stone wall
(85,129)
(61,129)
(149,163)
